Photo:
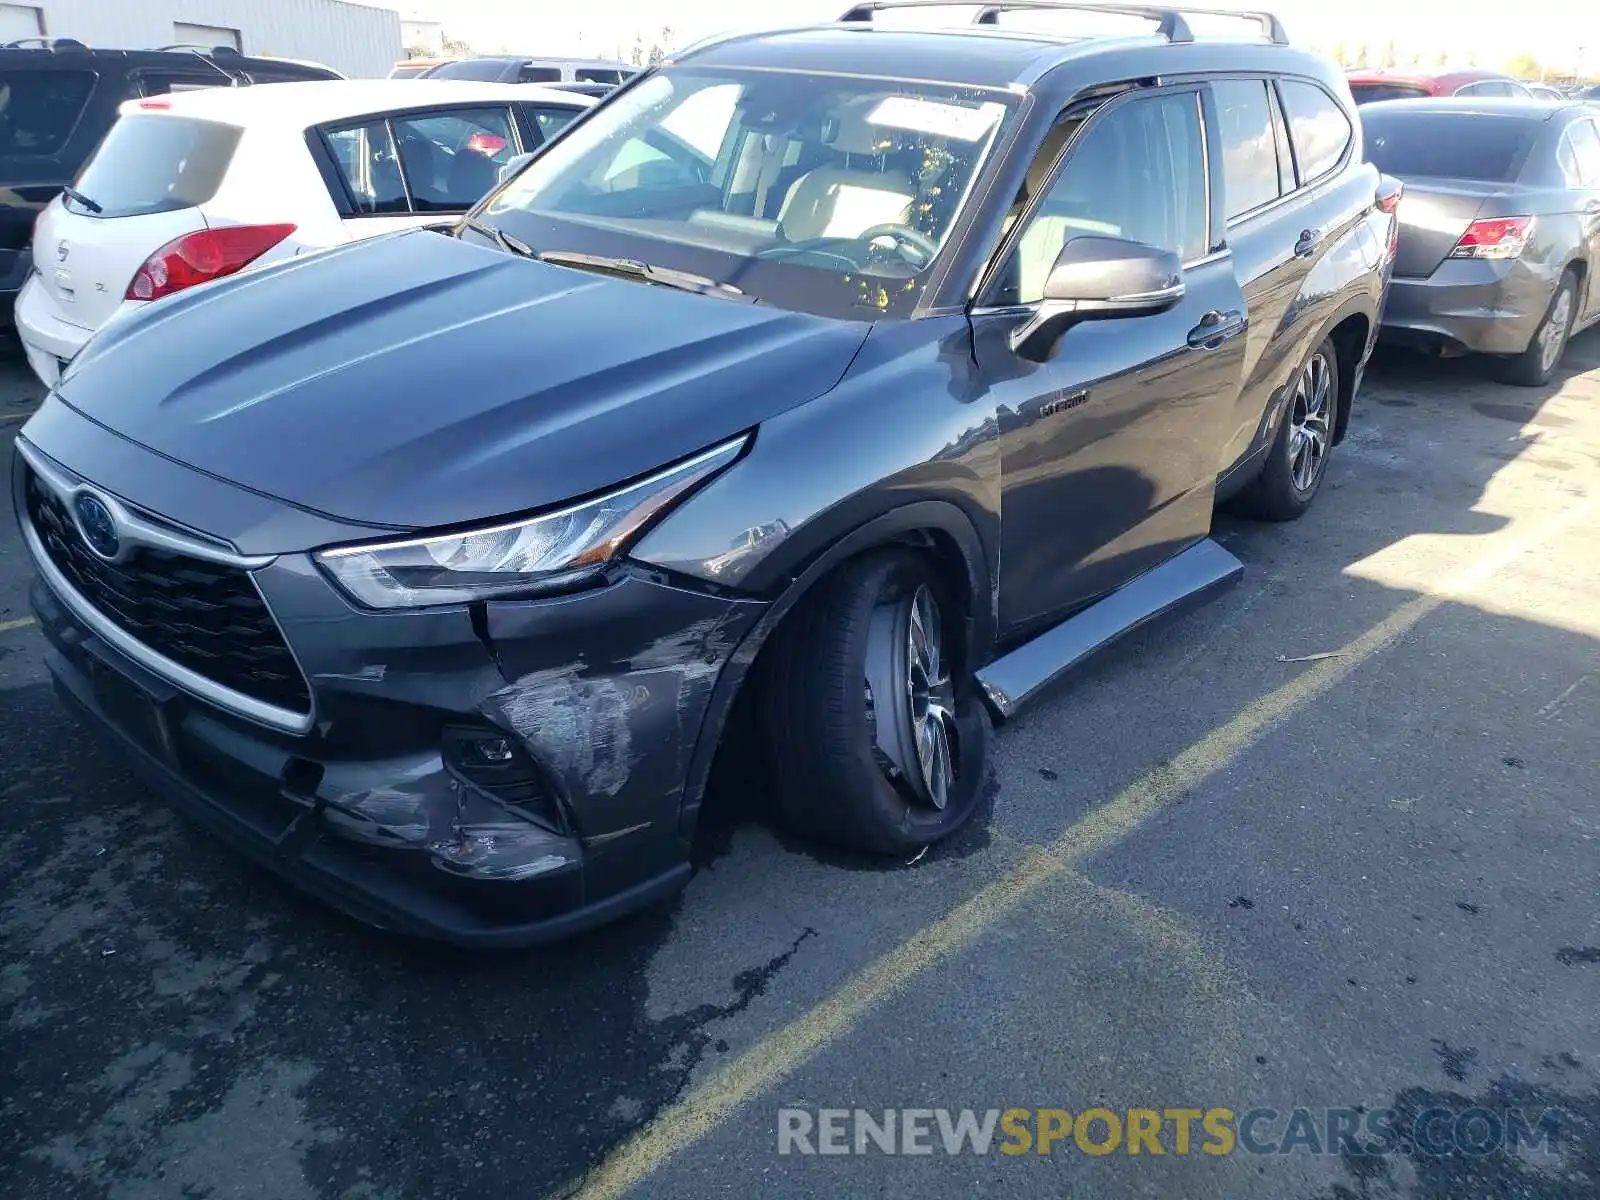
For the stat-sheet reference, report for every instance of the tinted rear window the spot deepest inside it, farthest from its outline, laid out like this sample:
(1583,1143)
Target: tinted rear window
(157,164)
(40,109)
(1448,144)
(1368,93)
(484,70)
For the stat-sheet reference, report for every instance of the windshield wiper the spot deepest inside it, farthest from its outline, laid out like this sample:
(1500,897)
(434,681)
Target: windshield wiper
(632,268)
(83,201)
(501,238)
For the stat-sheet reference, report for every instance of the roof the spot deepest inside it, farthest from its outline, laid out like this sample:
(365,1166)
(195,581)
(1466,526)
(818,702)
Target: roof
(1444,78)
(548,58)
(302,104)
(1531,109)
(998,56)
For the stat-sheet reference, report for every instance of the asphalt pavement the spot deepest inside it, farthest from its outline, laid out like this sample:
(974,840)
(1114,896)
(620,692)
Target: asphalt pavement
(1331,842)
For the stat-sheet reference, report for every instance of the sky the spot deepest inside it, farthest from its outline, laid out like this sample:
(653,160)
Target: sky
(1561,34)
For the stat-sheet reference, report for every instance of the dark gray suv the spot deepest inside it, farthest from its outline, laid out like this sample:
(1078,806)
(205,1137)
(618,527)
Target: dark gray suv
(854,381)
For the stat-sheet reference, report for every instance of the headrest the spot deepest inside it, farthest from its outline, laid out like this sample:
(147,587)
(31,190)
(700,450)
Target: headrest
(851,133)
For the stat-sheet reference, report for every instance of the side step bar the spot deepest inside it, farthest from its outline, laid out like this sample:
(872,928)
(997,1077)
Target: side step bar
(1181,582)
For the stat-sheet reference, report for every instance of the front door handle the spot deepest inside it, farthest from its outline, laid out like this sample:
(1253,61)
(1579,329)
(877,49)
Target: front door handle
(1310,239)
(1217,327)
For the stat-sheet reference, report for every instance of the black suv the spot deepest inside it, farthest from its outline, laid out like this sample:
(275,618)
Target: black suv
(847,385)
(57,100)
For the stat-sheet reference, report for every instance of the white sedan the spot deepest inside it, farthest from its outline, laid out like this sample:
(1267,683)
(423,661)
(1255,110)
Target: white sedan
(193,186)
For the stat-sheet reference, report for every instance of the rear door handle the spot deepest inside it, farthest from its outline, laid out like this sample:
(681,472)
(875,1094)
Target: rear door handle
(1217,327)
(1310,239)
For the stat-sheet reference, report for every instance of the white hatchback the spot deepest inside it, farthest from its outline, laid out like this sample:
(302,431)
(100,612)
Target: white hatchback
(193,186)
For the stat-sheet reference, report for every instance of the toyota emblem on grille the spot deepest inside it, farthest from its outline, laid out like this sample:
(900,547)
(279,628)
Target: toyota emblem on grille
(98,526)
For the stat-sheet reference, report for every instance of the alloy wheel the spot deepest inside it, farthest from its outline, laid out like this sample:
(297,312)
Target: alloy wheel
(911,698)
(1311,422)
(1553,337)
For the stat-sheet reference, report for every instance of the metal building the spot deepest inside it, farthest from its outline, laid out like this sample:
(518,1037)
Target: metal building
(360,40)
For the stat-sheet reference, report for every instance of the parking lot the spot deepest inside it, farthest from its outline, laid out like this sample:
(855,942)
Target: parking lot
(1330,842)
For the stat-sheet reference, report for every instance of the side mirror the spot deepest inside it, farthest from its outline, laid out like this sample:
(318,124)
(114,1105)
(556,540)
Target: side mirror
(1098,277)
(514,164)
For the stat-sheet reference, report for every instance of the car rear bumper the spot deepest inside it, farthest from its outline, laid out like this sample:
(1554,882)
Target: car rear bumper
(49,341)
(1485,307)
(606,695)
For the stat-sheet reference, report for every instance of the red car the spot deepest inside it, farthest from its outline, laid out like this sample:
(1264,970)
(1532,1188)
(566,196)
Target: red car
(1368,86)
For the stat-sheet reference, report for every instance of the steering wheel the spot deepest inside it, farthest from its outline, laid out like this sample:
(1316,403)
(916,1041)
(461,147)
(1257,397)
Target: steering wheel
(905,238)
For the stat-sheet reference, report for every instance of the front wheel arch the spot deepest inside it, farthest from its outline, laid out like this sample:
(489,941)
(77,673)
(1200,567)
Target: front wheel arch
(938,527)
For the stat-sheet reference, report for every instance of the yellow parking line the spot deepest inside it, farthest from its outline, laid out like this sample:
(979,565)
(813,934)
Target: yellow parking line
(8,626)
(770,1060)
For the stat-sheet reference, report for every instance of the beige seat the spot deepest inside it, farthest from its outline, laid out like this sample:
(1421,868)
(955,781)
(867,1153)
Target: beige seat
(843,198)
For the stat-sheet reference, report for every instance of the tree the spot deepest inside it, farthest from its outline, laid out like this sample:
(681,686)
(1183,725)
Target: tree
(637,55)
(1524,66)
(662,46)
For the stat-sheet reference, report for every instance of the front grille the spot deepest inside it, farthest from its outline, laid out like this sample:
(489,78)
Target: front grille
(203,615)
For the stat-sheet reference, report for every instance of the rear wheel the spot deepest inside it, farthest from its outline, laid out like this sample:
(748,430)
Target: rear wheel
(1534,366)
(877,742)
(1298,459)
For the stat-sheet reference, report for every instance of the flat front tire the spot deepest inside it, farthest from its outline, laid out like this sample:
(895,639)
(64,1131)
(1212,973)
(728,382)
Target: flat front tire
(877,741)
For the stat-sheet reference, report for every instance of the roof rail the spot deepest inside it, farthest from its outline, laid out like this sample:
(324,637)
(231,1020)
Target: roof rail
(198,48)
(1169,20)
(46,43)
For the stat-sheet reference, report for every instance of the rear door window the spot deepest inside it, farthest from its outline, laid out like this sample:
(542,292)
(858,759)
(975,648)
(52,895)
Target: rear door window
(370,165)
(452,158)
(1585,142)
(596,75)
(151,164)
(1318,128)
(1448,145)
(40,109)
(1249,151)
(528,73)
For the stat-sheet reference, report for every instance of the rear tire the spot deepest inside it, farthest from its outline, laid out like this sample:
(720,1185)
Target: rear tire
(835,781)
(1298,460)
(1534,366)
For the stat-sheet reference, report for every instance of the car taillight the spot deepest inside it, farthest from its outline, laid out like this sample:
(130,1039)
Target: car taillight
(201,257)
(1494,237)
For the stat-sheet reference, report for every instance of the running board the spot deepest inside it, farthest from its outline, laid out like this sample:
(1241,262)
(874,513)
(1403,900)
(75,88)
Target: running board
(1181,582)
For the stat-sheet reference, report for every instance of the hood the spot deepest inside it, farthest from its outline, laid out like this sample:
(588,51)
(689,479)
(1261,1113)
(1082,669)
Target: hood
(418,380)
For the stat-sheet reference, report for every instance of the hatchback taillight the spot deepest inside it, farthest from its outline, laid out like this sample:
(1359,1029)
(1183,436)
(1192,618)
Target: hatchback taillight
(1494,237)
(201,257)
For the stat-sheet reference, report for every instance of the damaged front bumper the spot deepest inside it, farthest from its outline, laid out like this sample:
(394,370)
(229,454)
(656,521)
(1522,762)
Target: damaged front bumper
(497,774)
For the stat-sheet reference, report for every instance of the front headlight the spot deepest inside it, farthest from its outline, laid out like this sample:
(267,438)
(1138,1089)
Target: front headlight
(543,553)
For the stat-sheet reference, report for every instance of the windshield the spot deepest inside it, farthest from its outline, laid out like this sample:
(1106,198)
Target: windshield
(815,193)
